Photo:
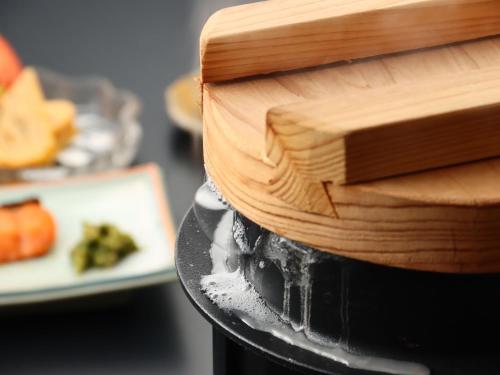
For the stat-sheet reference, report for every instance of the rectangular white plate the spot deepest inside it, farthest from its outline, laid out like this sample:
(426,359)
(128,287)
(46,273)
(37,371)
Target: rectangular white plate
(133,200)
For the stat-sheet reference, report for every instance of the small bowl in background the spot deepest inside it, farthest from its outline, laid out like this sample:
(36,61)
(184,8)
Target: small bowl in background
(109,134)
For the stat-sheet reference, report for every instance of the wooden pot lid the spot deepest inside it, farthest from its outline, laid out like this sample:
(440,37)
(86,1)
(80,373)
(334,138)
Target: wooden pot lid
(444,219)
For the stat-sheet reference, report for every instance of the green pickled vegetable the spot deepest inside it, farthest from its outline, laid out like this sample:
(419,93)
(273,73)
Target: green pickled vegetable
(102,246)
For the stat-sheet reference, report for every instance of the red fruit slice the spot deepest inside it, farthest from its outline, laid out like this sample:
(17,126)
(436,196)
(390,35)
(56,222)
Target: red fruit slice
(10,64)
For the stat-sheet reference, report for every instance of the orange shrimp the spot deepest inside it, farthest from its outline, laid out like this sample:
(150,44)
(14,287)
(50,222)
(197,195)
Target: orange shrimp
(26,230)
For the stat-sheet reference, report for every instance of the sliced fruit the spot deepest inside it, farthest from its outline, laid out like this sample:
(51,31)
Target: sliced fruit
(10,64)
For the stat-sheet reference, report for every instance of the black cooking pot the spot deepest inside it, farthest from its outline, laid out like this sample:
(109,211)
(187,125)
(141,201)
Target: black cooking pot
(444,323)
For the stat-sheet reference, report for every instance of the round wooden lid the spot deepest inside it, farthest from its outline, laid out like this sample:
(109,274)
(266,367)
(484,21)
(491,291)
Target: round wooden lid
(445,220)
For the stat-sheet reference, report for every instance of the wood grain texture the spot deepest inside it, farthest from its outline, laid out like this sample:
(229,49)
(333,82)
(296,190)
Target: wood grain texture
(388,131)
(445,220)
(282,35)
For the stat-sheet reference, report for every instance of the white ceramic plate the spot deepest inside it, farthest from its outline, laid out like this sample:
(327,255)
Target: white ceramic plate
(133,199)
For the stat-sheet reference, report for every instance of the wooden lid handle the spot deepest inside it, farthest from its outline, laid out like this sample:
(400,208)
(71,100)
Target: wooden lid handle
(281,35)
(389,131)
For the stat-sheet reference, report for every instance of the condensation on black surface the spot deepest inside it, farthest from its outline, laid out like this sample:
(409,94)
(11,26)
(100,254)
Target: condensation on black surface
(368,307)
(246,259)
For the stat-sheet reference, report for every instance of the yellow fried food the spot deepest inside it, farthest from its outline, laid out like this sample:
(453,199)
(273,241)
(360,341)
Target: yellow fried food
(61,120)
(32,129)
(25,137)
(26,90)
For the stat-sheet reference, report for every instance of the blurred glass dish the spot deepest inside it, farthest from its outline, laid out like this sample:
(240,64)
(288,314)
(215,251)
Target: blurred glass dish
(108,135)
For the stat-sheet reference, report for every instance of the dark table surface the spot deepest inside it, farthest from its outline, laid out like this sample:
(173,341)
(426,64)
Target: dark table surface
(141,46)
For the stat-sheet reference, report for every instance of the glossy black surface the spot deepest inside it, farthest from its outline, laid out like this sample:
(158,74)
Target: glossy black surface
(398,313)
(141,46)
(445,322)
(193,261)
(231,357)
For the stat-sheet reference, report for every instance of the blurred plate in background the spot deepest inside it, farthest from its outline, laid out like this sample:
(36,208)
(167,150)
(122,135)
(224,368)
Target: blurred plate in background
(133,200)
(183,103)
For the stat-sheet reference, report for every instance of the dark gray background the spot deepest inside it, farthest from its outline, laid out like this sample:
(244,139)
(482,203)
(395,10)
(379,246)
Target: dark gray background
(141,46)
